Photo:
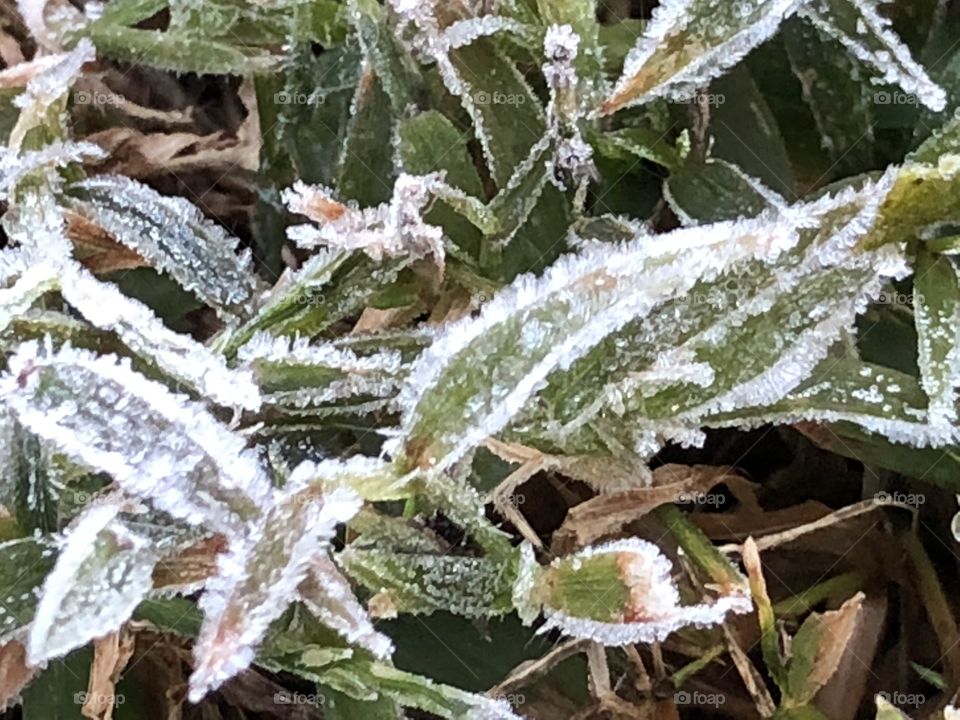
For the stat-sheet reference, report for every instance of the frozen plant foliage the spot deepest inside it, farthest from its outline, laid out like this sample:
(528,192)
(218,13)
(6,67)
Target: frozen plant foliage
(868,36)
(175,354)
(457,393)
(261,574)
(102,573)
(328,595)
(937,317)
(688,43)
(15,167)
(292,371)
(393,229)
(156,445)
(651,609)
(173,236)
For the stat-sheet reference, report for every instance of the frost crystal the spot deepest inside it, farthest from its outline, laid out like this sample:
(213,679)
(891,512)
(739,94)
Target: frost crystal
(261,574)
(47,86)
(393,229)
(14,167)
(103,572)
(156,445)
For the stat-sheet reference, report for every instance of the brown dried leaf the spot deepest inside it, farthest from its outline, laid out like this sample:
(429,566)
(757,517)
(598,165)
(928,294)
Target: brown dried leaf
(817,649)
(14,673)
(609,513)
(190,566)
(110,656)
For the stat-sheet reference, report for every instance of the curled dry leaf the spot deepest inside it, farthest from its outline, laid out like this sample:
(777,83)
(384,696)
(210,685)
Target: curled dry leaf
(609,513)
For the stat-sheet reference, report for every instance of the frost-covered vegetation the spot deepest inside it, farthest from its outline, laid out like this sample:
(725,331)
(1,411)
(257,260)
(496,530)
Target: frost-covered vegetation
(285,376)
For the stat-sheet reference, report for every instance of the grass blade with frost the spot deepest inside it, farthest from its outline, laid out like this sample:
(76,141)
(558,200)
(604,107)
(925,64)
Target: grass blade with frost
(103,572)
(157,445)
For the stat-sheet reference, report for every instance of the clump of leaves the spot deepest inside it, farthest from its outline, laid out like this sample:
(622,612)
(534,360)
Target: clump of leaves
(488,240)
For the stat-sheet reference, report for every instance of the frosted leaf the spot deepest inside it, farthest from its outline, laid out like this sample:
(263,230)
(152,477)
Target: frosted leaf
(480,372)
(101,575)
(937,315)
(294,372)
(31,480)
(48,86)
(327,594)
(15,167)
(157,445)
(421,584)
(868,36)
(24,564)
(173,236)
(877,399)
(474,70)
(621,593)
(393,229)
(260,575)
(32,284)
(787,310)
(175,354)
(688,43)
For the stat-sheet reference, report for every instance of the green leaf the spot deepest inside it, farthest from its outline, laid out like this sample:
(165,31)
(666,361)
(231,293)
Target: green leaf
(937,312)
(54,694)
(423,584)
(102,573)
(817,649)
(840,102)
(508,118)
(717,190)
(23,566)
(746,133)
(180,53)
(366,168)
(173,236)
(867,35)
(690,42)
